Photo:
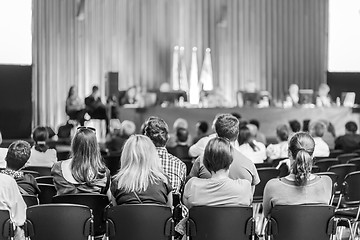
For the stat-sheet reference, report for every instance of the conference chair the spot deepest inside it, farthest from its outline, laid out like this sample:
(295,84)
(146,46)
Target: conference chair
(45,179)
(315,169)
(357,151)
(59,222)
(355,161)
(30,200)
(265,175)
(63,155)
(48,191)
(43,171)
(343,158)
(112,162)
(6,226)
(33,173)
(350,212)
(324,164)
(139,222)
(300,222)
(334,178)
(214,223)
(263,165)
(334,153)
(341,170)
(96,202)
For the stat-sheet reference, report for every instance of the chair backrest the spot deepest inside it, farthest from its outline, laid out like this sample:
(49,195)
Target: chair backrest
(43,171)
(332,175)
(213,223)
(265,175)
(315,169)
(45,179)
(112,162)
(343,158)
(263,165)
(58,222)
(48,191)
(334,153)
(324,164)
(341,171)
(30,200)
(300,222)
(63,155)
(6,226)
(96,202)
(355,161)
(139,222)
(351,187)
(33,173)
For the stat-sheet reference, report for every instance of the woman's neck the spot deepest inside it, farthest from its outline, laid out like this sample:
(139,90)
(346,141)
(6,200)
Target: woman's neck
(220,174)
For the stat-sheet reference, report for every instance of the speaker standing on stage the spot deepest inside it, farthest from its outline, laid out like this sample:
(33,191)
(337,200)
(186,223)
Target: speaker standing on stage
(75,108)
(95,108)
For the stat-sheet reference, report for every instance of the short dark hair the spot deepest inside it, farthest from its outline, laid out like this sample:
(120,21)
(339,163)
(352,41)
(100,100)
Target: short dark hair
(351,126)
(318,129)
(40,134)
(203,126)
(182,134)
(227,126)
(282,131)
(218,154)
(295,126)
(157,130)
(237,115)
(95,88)
(18,154)
(244,135)
(255,122)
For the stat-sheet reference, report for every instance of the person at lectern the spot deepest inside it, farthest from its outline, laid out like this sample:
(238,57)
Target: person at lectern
(95,108)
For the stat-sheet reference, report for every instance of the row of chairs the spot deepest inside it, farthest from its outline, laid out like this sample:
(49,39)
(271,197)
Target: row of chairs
(154,222)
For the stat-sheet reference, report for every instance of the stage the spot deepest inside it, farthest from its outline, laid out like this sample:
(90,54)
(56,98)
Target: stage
(269,117)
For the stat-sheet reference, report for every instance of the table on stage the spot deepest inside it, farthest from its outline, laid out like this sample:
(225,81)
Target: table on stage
(269,118)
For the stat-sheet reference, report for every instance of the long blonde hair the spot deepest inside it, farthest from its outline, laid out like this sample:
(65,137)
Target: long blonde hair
(140,165)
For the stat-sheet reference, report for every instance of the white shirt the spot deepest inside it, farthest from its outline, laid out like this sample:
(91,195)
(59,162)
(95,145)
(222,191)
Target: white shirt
(198,148)
(257,156)
(3,152)
(279,150)
(321,148)
(42,159)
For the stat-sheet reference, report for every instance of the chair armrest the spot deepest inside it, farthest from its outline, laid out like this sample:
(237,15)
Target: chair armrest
(170,228)
(190,228)
(110,228)
(250,227)
(332,225)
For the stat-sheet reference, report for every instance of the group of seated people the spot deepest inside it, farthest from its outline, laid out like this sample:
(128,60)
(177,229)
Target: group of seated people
(223,173)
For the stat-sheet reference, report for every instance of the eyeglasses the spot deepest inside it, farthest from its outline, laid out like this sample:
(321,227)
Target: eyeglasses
(83,128)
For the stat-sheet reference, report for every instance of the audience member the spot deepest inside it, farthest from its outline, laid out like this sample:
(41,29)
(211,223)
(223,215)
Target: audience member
(132,97)
(75,108)
(181,150)
(219,189)
(317,130)
(65,131)
(201,131)
(259,136)
(301,186)
(41,155)
(179,123)
(85,172)
(330,134)
(323,98)
(227,126)
(95,108)
(119,136)
(16,157)
(293,97)
(281,149)
(158,131)
(306,125)
(351,140)
(12,201)
(295,126)
(255,151)
(3,152)
(237,115)
(141,178)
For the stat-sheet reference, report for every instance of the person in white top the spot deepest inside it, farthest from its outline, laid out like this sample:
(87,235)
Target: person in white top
(3,152)
(255,151)
(317,131)
(41,155)
(281,149)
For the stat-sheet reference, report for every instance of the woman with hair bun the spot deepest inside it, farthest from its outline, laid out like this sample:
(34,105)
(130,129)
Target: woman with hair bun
(301,186)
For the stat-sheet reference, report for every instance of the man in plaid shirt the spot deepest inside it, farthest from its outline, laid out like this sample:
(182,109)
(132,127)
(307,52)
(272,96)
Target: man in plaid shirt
(158,131)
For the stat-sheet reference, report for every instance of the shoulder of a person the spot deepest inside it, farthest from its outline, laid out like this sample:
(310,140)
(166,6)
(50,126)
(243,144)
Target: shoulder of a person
(326,179)
(272,183)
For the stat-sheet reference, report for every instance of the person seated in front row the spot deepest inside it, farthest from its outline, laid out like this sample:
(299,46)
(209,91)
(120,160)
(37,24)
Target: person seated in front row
(95,108)
(12,201)
(281,149)
(16,157)
(141,178)
(219,189)
(351,140)
(301,186)
(119,135)
(227,126)
(247,145)
(41,155)
(85,172)
(317,130)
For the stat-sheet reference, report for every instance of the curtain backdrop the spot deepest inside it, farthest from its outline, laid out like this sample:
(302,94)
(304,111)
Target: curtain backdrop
(271,42)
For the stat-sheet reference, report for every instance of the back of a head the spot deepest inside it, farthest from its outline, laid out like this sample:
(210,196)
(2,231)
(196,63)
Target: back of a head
(86,156)
(351,127)
(218,155)
(253,130)
(140,164)
(255,122)
(282,131)
(182,135)
(40,135)
(18,154)
(128,128)
(295,126)
(180,123)
(301,149)
(318,129)
(227,126)
(157,130)
(237,115)
(95,89)
(202,126)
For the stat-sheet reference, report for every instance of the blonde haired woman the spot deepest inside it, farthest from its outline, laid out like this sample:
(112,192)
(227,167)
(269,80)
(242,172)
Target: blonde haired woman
(141,178)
